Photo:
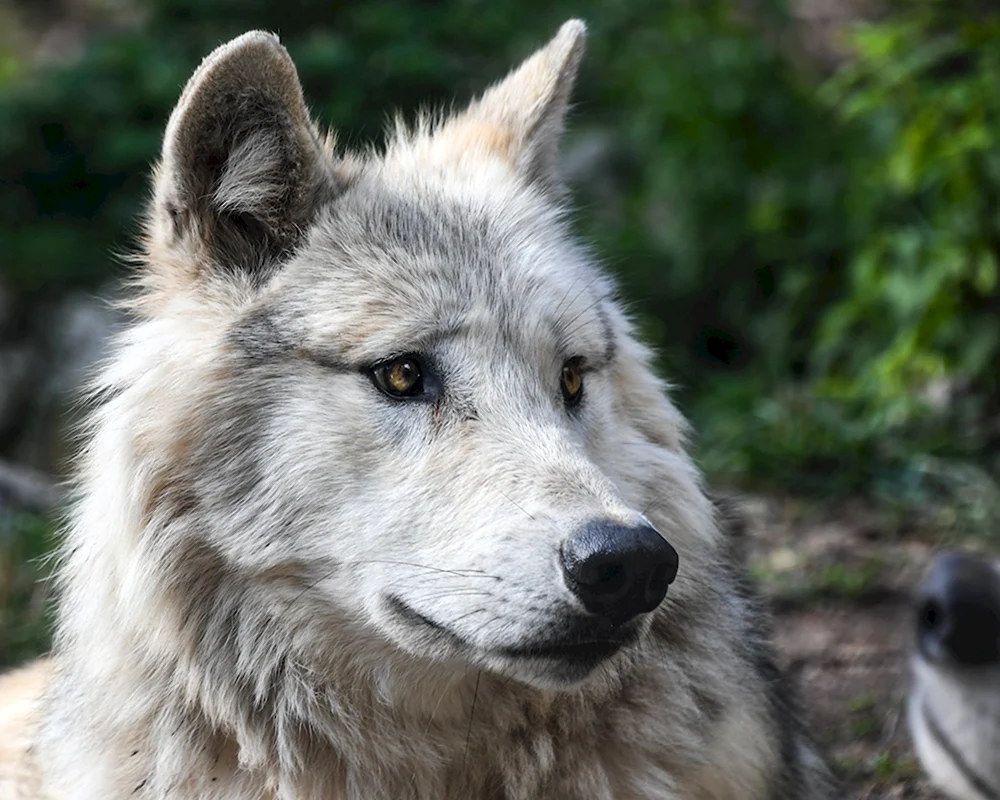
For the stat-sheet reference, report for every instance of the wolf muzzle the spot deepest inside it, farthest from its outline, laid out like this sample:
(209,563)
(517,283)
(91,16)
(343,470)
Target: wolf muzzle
(958,612)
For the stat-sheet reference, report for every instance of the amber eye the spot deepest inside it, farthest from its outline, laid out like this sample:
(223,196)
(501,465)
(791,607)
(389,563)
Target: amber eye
(572,382)
(402,377)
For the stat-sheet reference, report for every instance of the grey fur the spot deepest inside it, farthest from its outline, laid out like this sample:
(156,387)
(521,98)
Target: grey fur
(280,583)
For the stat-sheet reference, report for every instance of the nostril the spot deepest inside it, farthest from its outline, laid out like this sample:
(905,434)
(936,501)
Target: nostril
(931,617)
(656,587)
(603,577)
(932,628)
(958,612)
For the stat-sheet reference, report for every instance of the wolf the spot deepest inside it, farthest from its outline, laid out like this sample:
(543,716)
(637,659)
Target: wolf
(954,705)
(381,498)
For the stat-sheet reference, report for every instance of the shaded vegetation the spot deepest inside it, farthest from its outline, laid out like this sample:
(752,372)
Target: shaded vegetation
(816,259)
(24,613)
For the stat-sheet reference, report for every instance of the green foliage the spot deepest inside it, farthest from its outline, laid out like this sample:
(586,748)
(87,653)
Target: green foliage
(901,365)
(77,140)
(812,265)
(24,610)
(707,119)
(862,717)
(735,188)
(922,294)
(886,766)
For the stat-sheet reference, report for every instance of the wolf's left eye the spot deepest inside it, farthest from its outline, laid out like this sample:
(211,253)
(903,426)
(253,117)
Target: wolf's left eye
(572,382)
(400,378)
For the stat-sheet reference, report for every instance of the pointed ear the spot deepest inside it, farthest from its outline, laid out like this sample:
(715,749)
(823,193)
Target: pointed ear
(521,118)
(243,169)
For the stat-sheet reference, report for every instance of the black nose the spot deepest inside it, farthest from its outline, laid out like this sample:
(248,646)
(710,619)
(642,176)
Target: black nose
(618,571)
(958,611)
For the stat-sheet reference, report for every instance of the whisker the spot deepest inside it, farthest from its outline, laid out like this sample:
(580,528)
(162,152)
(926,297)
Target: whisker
(448,687)
(572,286)
(460,617)
(465,573)
(446,593)
(507,680)
(472,713)
(517,505)
(483,627)
(577,297)
(314,584)
(569,333)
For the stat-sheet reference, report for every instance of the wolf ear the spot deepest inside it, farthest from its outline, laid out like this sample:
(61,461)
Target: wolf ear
(243,168)
(521,118)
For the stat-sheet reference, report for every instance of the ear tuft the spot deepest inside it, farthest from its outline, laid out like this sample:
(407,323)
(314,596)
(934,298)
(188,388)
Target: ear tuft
(521,118)
(243,168)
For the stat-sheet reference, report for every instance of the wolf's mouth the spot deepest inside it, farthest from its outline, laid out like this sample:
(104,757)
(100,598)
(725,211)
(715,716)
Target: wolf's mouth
(577,650)
(587,647)
(411,616)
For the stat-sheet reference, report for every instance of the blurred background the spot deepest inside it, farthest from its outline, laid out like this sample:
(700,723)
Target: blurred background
(800,200)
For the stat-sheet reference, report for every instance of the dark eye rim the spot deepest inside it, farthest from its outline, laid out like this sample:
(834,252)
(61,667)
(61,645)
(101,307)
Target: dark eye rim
(573,400)
(377,374)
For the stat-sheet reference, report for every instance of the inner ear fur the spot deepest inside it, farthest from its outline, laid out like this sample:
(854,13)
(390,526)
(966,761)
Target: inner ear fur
(521,118)
(243,168)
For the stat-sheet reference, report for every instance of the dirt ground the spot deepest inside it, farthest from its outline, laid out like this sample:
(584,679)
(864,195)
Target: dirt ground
(840,582)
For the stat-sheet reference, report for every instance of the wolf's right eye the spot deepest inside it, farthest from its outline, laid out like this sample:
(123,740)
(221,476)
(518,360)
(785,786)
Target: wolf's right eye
(572,382)
(400,378)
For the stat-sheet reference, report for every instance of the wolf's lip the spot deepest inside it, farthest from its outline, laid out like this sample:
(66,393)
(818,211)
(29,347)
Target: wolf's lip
(587,651)
(584,648)
(414,617)
(581,648)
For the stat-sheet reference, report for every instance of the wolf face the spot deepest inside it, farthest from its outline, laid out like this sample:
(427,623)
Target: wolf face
(409,406)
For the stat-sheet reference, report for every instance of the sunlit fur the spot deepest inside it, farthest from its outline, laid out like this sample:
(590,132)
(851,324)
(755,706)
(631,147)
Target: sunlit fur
(249,503)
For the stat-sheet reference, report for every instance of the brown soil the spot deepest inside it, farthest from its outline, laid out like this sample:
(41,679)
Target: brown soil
(840,584)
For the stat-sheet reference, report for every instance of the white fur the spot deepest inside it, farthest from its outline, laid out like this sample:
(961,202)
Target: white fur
(248,500)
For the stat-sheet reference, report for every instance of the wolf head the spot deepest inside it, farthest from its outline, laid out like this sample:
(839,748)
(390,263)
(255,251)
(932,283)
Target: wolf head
(955,697)
(384,407)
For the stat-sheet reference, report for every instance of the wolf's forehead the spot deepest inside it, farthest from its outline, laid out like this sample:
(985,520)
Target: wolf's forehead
(444,226)
(387,270)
